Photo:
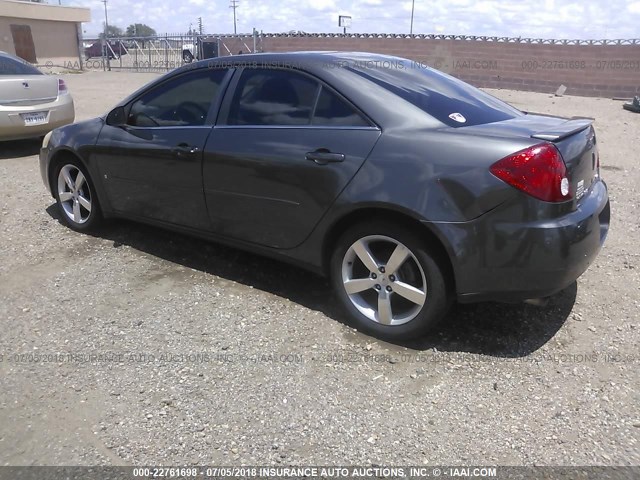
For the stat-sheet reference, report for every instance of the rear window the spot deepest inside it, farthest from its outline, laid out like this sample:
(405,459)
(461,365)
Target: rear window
(448,99)
(10,66)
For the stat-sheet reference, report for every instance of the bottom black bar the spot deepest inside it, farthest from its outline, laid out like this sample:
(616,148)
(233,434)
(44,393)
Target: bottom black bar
(312,472)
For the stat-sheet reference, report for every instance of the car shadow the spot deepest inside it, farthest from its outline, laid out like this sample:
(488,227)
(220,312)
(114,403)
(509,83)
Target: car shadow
(494,329)
(20,148)
(500,329)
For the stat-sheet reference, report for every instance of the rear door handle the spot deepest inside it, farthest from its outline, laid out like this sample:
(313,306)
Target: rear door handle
(184,149)
(322,157)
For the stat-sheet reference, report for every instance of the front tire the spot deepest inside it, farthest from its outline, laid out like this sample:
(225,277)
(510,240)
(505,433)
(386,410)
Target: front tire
(76,196)
(388,281)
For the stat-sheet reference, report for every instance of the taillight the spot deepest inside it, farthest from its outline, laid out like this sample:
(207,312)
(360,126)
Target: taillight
(62,87)
(538,171)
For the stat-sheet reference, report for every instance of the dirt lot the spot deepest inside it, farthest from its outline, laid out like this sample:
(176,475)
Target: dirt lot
(208,355)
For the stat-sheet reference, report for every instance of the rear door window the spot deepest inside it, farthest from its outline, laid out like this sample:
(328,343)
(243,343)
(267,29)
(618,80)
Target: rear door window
(332,111)
(273,97)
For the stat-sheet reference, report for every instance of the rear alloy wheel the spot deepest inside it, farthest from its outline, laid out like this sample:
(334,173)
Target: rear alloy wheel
(76,197)
(388,281)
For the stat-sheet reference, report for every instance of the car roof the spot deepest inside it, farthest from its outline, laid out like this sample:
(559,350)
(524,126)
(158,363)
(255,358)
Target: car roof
(310,58)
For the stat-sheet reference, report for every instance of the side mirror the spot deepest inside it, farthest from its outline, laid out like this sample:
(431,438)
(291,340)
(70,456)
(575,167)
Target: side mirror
(116,117)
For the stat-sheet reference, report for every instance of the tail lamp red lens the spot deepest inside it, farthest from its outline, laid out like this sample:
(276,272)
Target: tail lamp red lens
(538,171)
(62,87)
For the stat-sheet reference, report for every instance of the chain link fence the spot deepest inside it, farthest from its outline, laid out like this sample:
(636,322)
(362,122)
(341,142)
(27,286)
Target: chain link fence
(163,52)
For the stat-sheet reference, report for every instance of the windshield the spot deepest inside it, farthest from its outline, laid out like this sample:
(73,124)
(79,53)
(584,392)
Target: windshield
(448,99)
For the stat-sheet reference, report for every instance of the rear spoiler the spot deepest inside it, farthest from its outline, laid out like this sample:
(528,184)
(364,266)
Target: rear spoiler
(564,130)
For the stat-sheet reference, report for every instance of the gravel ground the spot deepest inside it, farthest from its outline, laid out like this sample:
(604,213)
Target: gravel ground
(208,355)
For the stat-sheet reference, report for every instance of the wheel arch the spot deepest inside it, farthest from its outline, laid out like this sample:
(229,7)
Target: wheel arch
(435,243)
(56,159)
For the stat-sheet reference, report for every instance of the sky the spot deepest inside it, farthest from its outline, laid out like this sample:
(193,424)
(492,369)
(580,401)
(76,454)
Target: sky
(587,19)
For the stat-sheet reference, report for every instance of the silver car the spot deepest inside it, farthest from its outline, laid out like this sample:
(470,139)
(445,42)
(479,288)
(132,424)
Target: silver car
(31,103)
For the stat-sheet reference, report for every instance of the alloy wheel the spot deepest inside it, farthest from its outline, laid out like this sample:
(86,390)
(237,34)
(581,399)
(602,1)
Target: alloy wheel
(384,280)
(74,194)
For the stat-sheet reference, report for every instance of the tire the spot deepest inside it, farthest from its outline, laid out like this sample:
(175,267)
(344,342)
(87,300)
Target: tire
(396,304)
(187,56)
(79,208)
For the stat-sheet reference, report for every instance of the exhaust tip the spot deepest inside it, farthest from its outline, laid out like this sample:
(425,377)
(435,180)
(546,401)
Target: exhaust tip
(537,302)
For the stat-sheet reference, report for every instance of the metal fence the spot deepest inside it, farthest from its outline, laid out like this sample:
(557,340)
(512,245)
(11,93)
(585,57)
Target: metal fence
(465,38)
(162,52)
(169,51)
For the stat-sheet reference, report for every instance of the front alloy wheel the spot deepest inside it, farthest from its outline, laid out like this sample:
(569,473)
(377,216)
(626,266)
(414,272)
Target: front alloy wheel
(76,199)
(388,281)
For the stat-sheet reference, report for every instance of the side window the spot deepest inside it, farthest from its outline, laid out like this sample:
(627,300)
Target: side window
(273,97)
(331,111)
(182,101)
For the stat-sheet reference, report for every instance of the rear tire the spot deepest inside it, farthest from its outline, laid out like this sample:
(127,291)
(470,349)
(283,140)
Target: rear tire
(76,196)
(388,281)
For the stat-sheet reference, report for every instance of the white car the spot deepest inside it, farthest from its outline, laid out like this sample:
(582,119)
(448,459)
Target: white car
(189,52)
(31,103)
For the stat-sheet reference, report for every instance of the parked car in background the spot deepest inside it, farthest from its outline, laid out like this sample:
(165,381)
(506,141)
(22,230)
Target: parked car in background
(407,187)
(111,50)
(202,49)
(31,103)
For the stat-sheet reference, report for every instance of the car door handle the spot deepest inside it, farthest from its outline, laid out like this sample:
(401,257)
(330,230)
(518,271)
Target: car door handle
(184,149)
(322,157)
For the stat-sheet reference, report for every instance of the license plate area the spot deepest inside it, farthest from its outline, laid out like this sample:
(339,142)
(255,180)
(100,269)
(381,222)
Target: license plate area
(34,118)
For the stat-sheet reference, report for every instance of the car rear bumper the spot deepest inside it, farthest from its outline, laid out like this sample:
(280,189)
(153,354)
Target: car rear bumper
(58,113)
(500,260)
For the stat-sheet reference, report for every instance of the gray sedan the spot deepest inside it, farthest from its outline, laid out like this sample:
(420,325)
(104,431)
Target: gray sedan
(407,187)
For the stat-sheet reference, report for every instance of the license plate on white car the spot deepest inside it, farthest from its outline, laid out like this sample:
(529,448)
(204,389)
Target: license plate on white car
(35,118)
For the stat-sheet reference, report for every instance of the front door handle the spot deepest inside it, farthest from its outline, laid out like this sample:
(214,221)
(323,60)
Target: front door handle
(184,149)
(323,156)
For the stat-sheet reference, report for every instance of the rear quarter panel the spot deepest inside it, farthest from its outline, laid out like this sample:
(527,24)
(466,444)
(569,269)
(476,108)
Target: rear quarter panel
(439,175)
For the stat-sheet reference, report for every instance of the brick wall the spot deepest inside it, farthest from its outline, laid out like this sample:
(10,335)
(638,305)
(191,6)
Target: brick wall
(599,69)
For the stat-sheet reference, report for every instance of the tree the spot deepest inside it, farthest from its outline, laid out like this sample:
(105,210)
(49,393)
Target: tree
(140,30)
(113,31)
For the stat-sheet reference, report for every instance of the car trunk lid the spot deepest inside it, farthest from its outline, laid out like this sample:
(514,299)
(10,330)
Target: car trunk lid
(576,142)
(25,90)
(574,138)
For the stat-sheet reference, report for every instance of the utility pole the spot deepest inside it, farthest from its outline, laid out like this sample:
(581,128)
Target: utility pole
(105,45)
(234,4)
(413,8)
